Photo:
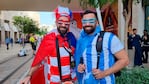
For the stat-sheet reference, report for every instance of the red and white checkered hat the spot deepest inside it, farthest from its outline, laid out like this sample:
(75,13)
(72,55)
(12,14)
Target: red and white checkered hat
(63,11)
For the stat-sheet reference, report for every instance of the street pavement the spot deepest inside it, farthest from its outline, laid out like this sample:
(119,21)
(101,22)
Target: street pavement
(131,58)
(12,52)
(13,67)
(11,64)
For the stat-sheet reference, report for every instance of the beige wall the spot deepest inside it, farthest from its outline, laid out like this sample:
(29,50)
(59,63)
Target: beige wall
(121,21)
(138,18)
(8,15)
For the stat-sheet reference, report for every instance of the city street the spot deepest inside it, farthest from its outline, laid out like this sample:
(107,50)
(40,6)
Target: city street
(12,67)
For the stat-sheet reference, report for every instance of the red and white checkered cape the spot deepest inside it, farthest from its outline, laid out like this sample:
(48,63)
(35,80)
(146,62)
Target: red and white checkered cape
(48,73)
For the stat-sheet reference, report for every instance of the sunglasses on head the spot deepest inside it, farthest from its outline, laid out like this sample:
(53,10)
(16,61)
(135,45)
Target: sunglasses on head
(91,21)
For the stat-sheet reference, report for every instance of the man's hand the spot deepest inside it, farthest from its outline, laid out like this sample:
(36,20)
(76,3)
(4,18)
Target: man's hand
(81,68)
(25,80)
(98,74)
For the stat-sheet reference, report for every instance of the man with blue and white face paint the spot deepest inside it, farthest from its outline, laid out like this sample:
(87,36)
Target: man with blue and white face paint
(94,68)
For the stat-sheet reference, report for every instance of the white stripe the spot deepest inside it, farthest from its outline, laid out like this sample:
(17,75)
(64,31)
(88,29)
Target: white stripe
(85,60)
(65,70)
(116,42)
(73,74)
(55,78)
(63,52)
(106,55)
(53,61)
(108,80)
(94,52)
(46,71)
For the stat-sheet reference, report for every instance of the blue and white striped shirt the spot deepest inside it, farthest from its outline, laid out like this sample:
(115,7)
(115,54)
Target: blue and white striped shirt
(87,49)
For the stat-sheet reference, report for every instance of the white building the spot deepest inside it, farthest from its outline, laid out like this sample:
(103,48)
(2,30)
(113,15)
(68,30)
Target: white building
(138,18)
(6,26)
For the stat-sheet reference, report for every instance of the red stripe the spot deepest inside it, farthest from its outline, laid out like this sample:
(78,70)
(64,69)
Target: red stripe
(65,61)
(49,76)
(66,76)
(54,70)
(48,61)
(54,82)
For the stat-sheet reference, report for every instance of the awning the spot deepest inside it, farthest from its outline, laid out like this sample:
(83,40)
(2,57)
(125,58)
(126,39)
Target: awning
(14,28)
(6,27)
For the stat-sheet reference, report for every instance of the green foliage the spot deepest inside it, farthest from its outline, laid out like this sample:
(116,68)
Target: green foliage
(42,32)
(92,3)
(25,24)
(145,3)
(136,75)
(68,1)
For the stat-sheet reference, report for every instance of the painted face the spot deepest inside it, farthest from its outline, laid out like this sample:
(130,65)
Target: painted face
(63,24)
(89,23)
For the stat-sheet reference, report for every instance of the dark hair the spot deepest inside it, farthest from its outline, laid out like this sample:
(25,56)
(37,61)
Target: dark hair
(89,11)
(145,30)
(134,29)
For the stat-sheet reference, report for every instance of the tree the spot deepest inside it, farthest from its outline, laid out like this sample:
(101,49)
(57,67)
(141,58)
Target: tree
(42,32)
(127,12)
(25,24)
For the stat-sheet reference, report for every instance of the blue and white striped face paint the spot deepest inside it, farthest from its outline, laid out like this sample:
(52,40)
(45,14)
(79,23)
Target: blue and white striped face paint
(89,25)
(91,21)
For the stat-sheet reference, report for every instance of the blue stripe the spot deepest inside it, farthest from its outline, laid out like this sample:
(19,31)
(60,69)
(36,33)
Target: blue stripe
(111,57)
(102,61)
(109,43)
(89,55)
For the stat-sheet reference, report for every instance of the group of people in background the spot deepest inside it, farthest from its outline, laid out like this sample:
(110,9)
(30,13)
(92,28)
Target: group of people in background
(141,46)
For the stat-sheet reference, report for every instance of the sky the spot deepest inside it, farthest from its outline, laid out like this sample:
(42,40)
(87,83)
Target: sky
(47,18)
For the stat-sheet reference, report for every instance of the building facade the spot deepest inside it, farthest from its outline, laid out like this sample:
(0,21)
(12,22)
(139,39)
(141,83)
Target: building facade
(137,18)
(7,28)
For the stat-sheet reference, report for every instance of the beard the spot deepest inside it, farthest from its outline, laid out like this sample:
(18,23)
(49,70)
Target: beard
(89,29)
(62,30)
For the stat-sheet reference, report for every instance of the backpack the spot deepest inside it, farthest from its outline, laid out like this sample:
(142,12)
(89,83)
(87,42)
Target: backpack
(99,49)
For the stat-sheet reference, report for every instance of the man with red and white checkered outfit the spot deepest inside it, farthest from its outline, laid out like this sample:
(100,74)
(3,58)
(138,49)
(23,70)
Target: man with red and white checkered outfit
(53,62)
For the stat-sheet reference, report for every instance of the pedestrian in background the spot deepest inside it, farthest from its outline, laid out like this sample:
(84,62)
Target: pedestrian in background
(11,41)
(145,46)
(136,44)
(32,40)
(98,67)
(7,41)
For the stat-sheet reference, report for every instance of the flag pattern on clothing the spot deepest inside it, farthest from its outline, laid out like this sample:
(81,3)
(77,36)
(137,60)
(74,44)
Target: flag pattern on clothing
(47,54)
(88,51)
(63,11)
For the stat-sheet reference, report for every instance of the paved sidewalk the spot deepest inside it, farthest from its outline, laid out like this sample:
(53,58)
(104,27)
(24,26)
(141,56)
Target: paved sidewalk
(12,52)
(131,58)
